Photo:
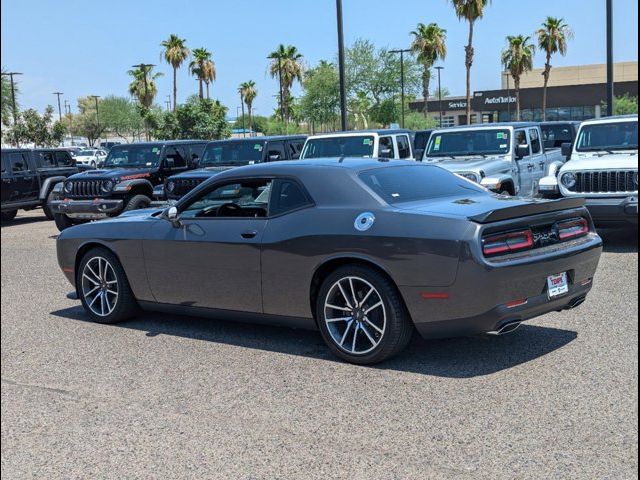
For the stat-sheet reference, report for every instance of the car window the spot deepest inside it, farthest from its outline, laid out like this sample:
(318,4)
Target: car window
(47,159)
(195,150)
(246,198)
(535,140)
(339,146)
(18,162)
(556,135)
(295,148)
(287,195)
(385,147)
(63,159)
(177,155)
(6,163)
(275,151)
(404,151)
(520,138)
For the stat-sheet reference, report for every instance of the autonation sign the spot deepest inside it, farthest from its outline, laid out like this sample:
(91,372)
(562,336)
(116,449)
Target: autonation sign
(496,98)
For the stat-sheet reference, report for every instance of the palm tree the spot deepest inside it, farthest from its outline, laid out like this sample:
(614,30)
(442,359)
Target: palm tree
(517,59)
(199,67)
(248,94)
(209,73)
(552,38)
(143,85)
(175,53)
(287,65)
(470,10)
(429,45)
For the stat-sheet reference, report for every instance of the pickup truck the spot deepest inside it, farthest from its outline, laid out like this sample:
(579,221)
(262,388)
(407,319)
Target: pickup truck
(29,175)
(508,158)
(603,169)
(364,143)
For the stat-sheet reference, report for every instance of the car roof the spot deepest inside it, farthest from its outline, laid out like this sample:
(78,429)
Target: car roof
(362,132)
(612,119)
(476,126)
(264,138)
(160,142)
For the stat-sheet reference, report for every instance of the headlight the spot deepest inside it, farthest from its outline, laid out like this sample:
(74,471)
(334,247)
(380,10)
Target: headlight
(68,187)
(107,185)
(470,176)
(568,180)
(171,186)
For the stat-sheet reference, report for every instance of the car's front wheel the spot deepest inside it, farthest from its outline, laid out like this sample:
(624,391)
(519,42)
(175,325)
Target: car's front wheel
(103,287)
(137,202)
(361,315)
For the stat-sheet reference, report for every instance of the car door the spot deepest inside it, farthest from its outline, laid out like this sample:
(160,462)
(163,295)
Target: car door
(525,165)
(7,178)
(211,259)
(538,157)
(25,185)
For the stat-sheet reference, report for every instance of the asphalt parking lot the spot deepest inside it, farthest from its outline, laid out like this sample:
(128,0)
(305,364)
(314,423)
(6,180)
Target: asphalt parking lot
(181,397)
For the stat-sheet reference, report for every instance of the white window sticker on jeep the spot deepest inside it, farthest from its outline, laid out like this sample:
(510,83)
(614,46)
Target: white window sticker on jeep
(436,145)
(500,135)
(503,145)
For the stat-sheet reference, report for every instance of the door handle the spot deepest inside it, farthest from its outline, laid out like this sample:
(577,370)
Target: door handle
(530,166)
(249,234)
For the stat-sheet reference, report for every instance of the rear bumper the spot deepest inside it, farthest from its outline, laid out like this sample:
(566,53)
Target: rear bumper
(477,301)
(87,209)
(612,211)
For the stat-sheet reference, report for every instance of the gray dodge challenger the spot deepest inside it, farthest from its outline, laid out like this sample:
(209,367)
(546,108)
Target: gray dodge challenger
(364,250)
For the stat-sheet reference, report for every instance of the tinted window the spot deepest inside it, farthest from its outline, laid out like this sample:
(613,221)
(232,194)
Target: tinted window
(18,162)
(421,139)
(196,149)
(608,136)
(295,147)
(535,140)
(385,147)
(133,156)
(248,198)
(416,182)
(520,138)
(233,153)
(176,154)
(469,142)
(350,146)
(6,163)
(275,151)
(404,151)
(47,159)
(287,195)
(63,159)
(556,135)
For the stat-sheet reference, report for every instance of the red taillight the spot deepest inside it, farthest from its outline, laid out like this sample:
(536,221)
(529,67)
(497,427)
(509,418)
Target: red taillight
(575,227)
(507,242)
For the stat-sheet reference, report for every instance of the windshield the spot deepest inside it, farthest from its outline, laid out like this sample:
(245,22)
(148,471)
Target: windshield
(133,156)
(608,136)
(416,182)
(84,153)
(350,146)
(233,153)
(469,142)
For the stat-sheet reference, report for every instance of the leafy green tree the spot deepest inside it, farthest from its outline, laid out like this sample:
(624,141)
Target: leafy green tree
(143,85)
(471,11)
(248,94)
(203,68)
(417,121)
(320,102)
(552,38)
(199,118)
(258,123)
(86,122)
(386,112)
(429,46)
(517,59)
(36,129)
(286,66)
(175,53)
(121,116)
(275,126)
(623,105)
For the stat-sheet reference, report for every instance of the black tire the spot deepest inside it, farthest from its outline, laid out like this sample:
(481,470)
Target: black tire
(125,305)
(8,215)
(397,327)
(62,221)
(137,202)
(93,165)
(45,208)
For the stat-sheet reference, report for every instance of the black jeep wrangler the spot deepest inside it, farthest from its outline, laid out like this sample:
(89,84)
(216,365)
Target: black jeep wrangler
(28,177)
(125,182)
(222,155)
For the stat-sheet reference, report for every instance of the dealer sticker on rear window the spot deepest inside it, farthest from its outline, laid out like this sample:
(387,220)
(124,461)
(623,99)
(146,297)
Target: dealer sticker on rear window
(367,141)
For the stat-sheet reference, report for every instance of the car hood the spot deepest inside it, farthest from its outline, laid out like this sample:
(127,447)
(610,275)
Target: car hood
(201,172)
(464,165)
(483,208)
(116,174)
(608,161)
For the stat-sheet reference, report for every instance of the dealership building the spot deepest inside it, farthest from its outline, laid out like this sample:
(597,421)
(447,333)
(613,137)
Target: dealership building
(574,93)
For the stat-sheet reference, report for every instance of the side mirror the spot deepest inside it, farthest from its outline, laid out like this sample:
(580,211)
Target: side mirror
(171,214)
(418,154)
(386,153)
(566,148)
(522,150)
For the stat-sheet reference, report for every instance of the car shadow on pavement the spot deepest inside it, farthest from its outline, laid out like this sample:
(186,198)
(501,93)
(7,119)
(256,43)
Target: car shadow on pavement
(16,222)
(464,357)
(619,240)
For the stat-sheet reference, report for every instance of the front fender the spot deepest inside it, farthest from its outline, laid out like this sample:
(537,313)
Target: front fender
(48,185)
(496,183)
(128,185)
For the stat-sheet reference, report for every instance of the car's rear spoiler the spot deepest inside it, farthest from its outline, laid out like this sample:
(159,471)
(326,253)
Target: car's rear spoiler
(535,208)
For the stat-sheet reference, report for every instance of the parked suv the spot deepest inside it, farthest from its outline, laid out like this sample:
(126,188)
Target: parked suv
(508,158)
(603,169)
(363,143)
(126,183)
(222,155)
(29,175)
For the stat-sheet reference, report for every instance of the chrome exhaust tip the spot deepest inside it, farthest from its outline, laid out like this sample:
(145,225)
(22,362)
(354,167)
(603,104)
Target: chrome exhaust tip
(576,302)
(506,328)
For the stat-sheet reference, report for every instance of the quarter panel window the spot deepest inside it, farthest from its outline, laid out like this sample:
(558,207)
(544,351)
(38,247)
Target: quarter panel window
(63,159)
(404,151)
(535,141)
(47,159)
(520,138)
(18,162)
(385,147)
(287,195)
(177,155)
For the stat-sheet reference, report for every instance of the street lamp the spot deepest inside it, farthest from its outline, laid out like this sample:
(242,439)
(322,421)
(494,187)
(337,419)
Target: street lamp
(401,52)
(57,94)
(507,74)
(439,68)
(96,97)
(609,57)
(343,88)
(13,94)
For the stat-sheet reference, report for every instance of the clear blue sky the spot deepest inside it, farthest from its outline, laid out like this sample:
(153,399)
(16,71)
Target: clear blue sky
(83,48)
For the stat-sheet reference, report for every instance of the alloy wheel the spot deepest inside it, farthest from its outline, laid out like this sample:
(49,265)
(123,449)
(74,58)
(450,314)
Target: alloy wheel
(355,315)
(99,286)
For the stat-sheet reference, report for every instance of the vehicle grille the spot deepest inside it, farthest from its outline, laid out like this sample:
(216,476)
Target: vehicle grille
(85,188)
(613,181)
(184,186)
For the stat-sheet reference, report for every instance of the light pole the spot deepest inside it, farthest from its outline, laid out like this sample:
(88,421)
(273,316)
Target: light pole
(96,97)
(343,87)
(57,94)
(507,74)
(13,94)
(67,111)
(439,68)
(168,101)
(401,52)
(609,57)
